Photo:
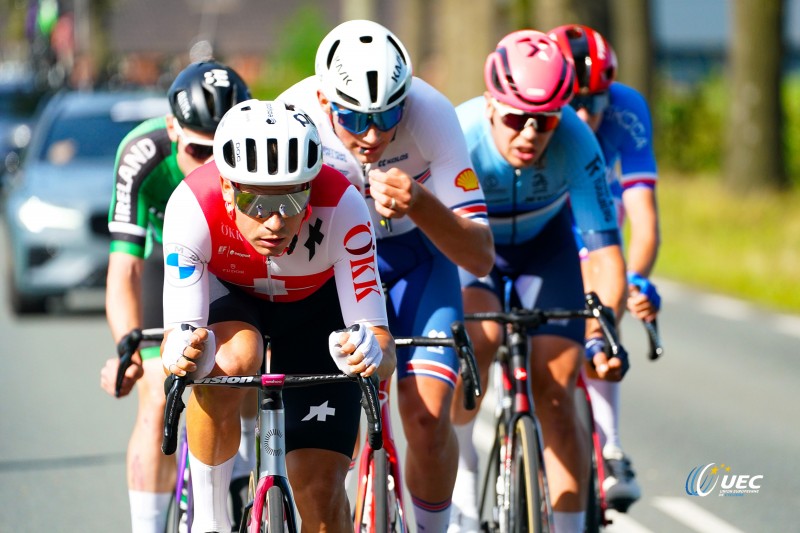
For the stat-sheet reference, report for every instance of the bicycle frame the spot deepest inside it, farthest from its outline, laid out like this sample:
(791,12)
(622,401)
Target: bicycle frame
(270,433)
(369,508)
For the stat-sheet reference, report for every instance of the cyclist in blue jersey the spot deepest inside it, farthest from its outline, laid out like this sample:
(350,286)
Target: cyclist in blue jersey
(620,118)
(151,161)
(539,164)
(398,140)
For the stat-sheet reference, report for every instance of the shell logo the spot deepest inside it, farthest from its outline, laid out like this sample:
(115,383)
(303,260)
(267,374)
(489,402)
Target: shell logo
(467,180)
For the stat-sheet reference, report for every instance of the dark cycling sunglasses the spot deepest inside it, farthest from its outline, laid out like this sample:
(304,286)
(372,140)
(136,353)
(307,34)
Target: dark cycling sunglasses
(263,205)
(518,121)
(198,149)
(357,122)
(592,103)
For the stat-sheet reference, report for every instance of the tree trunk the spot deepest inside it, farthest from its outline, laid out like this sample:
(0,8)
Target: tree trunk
(632,41)
(464,38)
(754,149)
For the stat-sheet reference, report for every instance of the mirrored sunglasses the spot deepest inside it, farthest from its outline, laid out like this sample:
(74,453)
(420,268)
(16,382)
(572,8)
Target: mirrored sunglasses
(357,122)
(592,103)
(518,121)
(264,205)
(196,148)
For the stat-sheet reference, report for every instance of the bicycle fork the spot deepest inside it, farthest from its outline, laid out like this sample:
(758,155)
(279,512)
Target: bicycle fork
(271,443)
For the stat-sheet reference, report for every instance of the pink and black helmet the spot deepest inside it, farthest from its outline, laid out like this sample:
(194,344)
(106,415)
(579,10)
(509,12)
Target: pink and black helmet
(528,71)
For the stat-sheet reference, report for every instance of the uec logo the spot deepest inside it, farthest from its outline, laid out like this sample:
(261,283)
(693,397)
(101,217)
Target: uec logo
(703,479)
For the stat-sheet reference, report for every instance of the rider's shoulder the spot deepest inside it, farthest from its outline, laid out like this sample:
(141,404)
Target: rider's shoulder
(329,188)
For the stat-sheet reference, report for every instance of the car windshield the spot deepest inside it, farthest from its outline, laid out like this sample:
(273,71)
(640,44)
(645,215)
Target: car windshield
(84,137)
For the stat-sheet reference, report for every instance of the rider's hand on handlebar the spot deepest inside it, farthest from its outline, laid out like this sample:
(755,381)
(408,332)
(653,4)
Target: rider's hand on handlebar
(108,376)
(355,350)
(602,366)
(189,351)
(643,298)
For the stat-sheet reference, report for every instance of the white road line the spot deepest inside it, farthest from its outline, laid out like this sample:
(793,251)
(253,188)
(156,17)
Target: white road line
(622,523)
(788,325)
(693,516)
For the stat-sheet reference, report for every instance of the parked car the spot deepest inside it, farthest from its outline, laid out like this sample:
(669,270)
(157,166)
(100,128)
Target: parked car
(19,99)
(56,205)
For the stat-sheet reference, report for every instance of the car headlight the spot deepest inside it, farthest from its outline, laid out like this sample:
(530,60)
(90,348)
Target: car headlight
(37,215)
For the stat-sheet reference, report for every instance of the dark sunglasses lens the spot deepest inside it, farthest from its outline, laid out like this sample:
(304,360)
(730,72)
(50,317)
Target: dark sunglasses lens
(263,205)
(592,103)
(199,151)
(352,121)
(545,123)
(514,121)
(388,119)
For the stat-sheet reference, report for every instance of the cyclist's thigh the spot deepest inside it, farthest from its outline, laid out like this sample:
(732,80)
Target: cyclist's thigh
(323,416)
(479,295)
(425,302)
(547,274)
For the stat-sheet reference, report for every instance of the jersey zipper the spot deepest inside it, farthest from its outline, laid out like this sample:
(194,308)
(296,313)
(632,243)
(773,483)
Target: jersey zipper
(517,179)
(270,290)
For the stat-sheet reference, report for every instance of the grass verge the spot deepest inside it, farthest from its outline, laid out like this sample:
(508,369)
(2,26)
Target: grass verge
(747,247)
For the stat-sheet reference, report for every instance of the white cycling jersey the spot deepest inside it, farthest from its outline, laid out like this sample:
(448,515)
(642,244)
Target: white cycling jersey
(428,145)
(336,240)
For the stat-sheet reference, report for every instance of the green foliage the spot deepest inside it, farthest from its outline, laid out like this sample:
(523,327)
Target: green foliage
(689,124)
(791,133)
(292,58)
(710,239)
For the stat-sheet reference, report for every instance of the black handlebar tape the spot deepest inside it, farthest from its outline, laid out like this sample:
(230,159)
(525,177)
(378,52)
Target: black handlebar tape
(371,405)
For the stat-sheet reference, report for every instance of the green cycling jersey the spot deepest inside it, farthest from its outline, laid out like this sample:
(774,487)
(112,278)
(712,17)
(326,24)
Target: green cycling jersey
(145,174)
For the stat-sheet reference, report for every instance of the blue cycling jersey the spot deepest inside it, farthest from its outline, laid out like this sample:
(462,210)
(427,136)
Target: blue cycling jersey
(520,202)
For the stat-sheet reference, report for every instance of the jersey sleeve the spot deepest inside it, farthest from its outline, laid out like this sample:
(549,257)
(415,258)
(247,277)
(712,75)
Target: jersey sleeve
(352,249)
(589,194)
(637,158)
(437,131)
(187,251)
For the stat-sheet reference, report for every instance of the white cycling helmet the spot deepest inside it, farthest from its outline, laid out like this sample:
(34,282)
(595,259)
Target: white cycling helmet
(267,143)
(363,66)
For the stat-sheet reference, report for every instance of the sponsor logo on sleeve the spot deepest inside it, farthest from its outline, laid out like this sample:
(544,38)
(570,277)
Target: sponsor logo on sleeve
(359,243)
(182,265)
(467,180)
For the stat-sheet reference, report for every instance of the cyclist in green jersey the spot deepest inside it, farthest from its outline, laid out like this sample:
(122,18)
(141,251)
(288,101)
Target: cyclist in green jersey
(151,161)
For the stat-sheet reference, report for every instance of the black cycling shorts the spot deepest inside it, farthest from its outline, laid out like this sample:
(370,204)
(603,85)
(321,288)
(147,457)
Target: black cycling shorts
(319,416)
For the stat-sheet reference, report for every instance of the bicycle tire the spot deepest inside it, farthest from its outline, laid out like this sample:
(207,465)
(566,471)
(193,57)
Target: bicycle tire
(274,511)
(380,491)
(529,510)
(179,516)
(594,503)
(489,497)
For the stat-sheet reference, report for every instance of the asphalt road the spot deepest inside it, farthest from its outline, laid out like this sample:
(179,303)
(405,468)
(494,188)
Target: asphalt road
(721,394)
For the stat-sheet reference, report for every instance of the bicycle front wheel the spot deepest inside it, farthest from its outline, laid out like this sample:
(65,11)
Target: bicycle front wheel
(529,509)
(274,512)
(594,499)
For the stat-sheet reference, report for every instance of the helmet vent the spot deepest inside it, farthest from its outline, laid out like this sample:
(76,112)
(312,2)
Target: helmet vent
(398,48)
(293,158)
(227,154)
(347,98)
(372,83)
(366,39)
(313,154)
(397,95)
(331,53)
(272,155)
(250,150)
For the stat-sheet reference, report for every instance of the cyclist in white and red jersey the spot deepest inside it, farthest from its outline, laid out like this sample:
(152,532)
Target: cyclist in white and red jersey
(620,118)
(398,140)
(532,154)
(265,240)
(151,161)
